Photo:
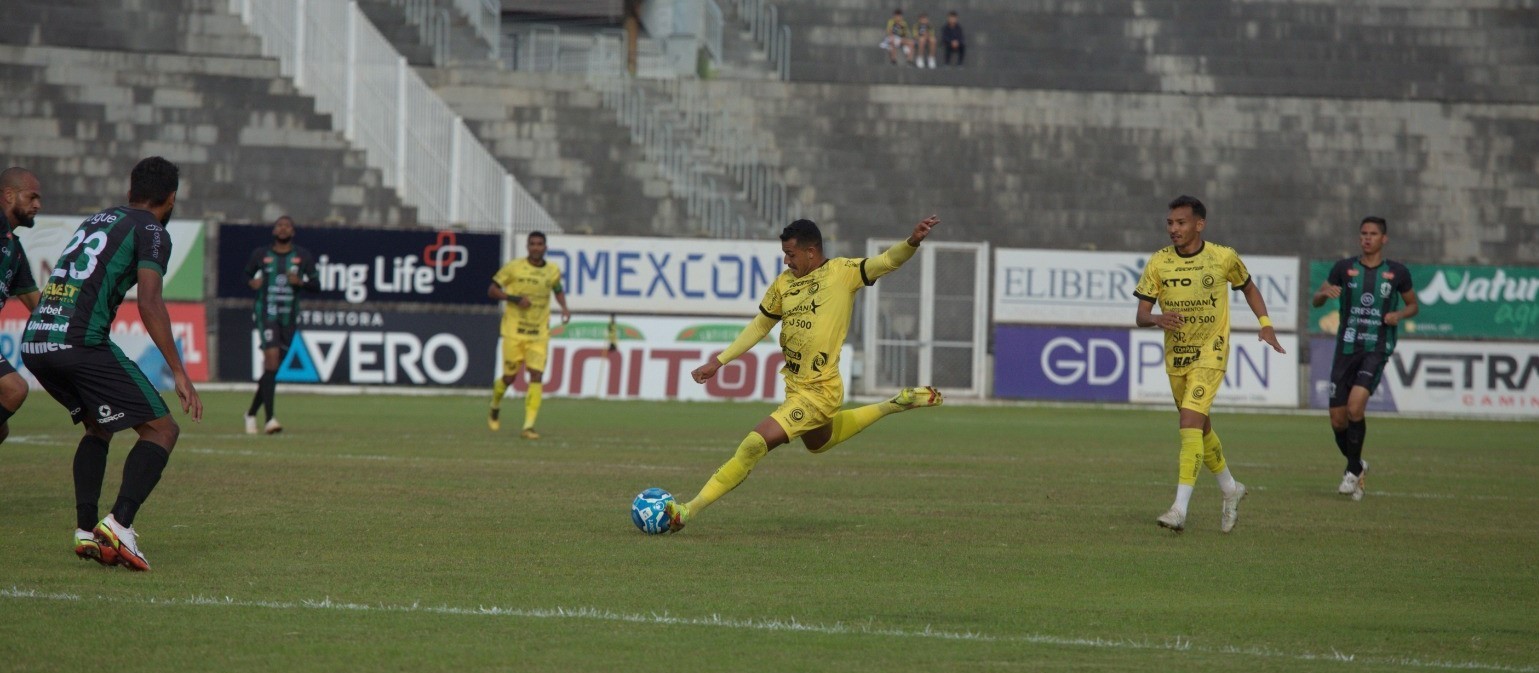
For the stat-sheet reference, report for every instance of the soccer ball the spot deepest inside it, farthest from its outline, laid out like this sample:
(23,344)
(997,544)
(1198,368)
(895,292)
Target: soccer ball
(649,511)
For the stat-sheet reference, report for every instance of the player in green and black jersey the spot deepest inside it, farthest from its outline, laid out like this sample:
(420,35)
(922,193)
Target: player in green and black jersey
(1372,290)
(277,272)
(66,346)
(20,199)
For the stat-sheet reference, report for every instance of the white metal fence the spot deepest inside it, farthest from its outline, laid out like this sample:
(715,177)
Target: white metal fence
(416,141)
(762,21)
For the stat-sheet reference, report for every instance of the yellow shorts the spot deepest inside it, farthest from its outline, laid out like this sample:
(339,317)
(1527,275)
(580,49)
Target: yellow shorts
(1196,388)
(528,352)
(808,408)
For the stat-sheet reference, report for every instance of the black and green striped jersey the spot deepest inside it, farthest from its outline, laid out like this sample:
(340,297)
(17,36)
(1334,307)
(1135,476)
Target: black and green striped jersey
(277,301)
(15,271)
(98,267)
(1367,294)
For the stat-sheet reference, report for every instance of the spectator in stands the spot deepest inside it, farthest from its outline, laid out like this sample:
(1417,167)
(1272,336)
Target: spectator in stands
(896,38)
(952,40)
(924,41)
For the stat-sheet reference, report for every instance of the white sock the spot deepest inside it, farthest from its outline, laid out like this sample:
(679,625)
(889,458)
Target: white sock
(1225,482)
(1183,496)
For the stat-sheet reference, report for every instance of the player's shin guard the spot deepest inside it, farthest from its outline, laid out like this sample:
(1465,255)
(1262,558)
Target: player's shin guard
(1191,455)
(732,472)
(1213,457)
(140,474)
(1357,431)
(90,467)
(532,404)
(499,388)
(850,422)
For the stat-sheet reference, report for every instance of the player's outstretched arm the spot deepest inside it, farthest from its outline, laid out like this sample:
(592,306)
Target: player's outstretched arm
(1258,306)
(885,263)
(1326,292)
(157,323)
(752,334)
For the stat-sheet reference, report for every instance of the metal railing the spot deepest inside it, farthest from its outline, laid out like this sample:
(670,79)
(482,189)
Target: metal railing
(762,21)
(712,156)
(432,23)
(420,146)
(485,17)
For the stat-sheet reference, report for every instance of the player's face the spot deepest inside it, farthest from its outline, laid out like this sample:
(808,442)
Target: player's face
(21,205)
(283,230)
(1184,227)
(536,247)
(800,259)
(1371,238)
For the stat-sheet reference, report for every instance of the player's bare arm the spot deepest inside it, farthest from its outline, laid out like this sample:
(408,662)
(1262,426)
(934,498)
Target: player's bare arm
(706,371)
(566,315)
(157,323)
(1326,292)
(752,333)
(29,300)
(1169,321)
(1257,305)
(495,291)
(1412,307)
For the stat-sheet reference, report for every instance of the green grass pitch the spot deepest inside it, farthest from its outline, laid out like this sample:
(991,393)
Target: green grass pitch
(395,533)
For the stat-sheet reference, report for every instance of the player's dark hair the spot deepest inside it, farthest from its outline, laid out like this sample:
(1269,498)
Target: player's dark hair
(1383,226)
(153,181)
(285,217)
(1198,209)
(533,234)
(805,232)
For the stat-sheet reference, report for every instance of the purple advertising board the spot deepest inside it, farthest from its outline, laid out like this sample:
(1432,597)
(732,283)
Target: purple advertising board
(1058,363)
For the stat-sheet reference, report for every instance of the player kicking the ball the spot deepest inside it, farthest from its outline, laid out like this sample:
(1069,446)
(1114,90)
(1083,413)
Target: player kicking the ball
(812,300)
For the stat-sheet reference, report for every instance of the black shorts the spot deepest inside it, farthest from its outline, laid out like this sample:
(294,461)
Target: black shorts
(273,334)
(1363,368)
(97,380)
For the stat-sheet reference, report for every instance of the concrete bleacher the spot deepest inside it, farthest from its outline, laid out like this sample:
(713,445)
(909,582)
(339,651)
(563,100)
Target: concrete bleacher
(552,132)
(1479,51)
(96,86)
(1075,170)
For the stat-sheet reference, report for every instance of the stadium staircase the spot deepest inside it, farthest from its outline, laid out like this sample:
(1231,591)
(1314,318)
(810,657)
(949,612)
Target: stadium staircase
(94,86)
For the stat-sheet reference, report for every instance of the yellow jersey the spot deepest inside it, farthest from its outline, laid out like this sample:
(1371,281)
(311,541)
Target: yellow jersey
(814,311)
(519,278)
(1197,287)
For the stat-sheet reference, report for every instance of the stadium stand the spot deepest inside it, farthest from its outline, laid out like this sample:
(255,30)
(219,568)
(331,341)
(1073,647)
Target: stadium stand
(96,86)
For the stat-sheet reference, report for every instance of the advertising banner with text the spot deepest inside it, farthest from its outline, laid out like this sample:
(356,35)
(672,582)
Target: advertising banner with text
(665,276)
(368,348)
(1491,302)
(1069,287)
(1105,365)
(189,327)
(46,241)
(1444,377)
(374,265)
(653,358)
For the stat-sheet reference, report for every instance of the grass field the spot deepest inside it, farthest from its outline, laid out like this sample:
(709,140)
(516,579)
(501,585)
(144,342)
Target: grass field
(391,533)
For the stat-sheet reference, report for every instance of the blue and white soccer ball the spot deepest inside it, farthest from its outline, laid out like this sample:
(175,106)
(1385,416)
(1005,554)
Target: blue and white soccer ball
(649,511)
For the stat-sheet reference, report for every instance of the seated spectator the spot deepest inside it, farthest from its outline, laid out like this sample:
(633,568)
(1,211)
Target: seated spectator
(924,41)
(952,40)
(896,38)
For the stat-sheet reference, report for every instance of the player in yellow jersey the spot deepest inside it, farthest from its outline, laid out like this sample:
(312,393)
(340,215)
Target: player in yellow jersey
(1190,281)
(812,301)
(525,286)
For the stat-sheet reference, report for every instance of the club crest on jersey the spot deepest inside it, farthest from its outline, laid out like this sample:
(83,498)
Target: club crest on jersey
(1384,289)
(1207,280)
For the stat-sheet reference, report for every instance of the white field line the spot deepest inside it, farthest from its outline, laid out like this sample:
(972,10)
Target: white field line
(790,625)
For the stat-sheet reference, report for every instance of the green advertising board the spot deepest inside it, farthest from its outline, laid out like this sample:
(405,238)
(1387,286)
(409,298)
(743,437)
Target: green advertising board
(1488,302)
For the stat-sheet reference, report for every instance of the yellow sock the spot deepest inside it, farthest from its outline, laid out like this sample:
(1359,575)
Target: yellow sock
(1213,453)
(731,473)
(498,390)
(532,404)
(1191,454)
(850,422)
